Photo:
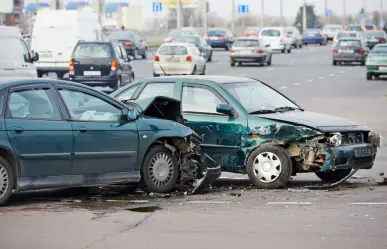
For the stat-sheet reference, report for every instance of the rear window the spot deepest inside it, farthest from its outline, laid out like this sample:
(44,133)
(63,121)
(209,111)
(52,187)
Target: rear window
(92,51)
(374,34)
(216,32)
(349,43)
(122,36)
(369,27)
(246,43)
(271,32)
(379,49)
(173,50)
(194,40)
(340,35)
(174,33)
(312,32)
(354,28)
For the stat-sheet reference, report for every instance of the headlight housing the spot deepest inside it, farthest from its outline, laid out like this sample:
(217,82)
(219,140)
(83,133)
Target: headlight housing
(335,139)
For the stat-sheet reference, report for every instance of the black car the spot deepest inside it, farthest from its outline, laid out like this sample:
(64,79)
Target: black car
(100,64)
(375,37)
(220,38)
(134,45)
(200,43)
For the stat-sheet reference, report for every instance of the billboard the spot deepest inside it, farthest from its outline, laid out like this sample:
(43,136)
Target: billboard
(6,6)
(172,4)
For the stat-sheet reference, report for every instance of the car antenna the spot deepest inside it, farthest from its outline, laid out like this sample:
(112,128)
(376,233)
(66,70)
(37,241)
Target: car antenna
(158,62)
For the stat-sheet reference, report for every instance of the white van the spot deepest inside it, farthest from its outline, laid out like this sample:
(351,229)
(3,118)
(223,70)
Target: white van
(15,59)
(277,38)
(55,34)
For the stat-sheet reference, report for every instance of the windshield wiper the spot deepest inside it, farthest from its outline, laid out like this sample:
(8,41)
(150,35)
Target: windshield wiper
(287,108)
(264,111)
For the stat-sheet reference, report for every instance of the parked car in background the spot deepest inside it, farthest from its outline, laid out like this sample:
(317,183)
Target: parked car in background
(343,34)
(15,58)
(295,37)
(246,125)
(371,27)
(107,31)
(331,30)
(83,137)
(376,62)
(276,38)
(354,27)
(251,31)
(314,36)
(250,50)
(134,45)
(100,64)
(179,32)
(55,34)
(349,50)
(178,59)
(373,38)
(199,42)
(220,38)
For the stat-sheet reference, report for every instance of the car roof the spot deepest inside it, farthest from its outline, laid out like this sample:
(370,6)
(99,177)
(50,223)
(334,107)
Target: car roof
(95,42)
(175,44)
(18,81)
(218,79)
(351,38)
(248,38)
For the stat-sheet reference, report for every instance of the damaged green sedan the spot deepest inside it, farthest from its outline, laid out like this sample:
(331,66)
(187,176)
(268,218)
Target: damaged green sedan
(247,126)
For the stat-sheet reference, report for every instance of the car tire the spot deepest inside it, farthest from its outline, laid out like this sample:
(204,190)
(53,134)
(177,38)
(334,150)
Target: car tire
(289,50)
(334,63)
(209,59)
(227,48)
(376,76)
(118,85)
(60,75)
(283,51)
(363,63)
(156,75)
(232,64)
(145,55)
(333,176)
(135,54)
(305,44)
(204,71)
(272,155)
(153,181)
(7,181)
(321,44)
(194,71)
(369,76)
(40,73)
(300,46)
(269,61)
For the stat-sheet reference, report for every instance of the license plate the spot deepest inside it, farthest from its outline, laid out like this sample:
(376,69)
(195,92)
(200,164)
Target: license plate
(383,68)
(172,60)
(348,51)
(214,38)
(92,73)
(364,151)
(311,35)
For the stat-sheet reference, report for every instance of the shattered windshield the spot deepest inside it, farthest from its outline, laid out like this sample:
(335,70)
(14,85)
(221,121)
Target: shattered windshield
(255,96)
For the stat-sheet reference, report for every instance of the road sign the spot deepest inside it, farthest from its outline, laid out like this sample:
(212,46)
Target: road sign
(328,12)
(157,7)
(381,22)
(243,9)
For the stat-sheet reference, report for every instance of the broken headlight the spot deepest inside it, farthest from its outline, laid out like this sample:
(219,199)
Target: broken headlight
(375,139)
(335,139)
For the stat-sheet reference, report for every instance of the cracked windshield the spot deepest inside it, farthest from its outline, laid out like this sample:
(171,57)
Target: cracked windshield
(176,124)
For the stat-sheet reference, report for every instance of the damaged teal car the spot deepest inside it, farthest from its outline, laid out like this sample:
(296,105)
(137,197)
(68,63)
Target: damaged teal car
(247,126)
(62,134)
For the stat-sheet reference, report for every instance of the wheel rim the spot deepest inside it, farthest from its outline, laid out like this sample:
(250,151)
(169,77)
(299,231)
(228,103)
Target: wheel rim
(267,167)
(161,169)
(4,181)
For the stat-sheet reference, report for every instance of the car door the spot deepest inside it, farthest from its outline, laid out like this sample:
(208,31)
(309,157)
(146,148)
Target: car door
(198,58)
(105,145)
(122,67)
(40,136)
(222,135)
(127,69)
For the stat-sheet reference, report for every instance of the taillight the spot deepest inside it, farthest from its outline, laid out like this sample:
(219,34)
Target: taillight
(335,51)
(260,51)
(71,66)
(157,58)
(232,51)
(382,40)
(244,34)
(189,58)
(362,29)
(128,44)
(282,40)
(223,37)
(113,67)
(319,36)
(205,37)
(362,51)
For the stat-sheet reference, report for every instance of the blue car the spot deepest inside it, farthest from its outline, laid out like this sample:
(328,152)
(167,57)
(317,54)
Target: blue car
(220,38)
(314,36)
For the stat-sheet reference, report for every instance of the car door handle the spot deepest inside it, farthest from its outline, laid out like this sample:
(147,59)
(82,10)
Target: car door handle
(17,129)
(81,129)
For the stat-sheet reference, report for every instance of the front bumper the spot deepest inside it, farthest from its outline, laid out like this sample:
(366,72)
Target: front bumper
(376,69)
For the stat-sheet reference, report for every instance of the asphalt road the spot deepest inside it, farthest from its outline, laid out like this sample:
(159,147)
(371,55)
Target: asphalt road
(232,214)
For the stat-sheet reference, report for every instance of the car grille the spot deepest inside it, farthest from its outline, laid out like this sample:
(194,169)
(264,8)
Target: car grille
(356,137)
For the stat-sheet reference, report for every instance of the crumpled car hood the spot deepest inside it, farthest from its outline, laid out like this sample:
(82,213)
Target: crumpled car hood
(319,121)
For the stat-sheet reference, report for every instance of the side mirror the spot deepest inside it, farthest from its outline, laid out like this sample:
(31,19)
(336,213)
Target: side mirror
(224,108)
(267,45)
(131,115)
(36,57)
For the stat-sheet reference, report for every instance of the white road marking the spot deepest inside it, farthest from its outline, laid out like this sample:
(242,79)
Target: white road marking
(289,203)
(369,203)
(150,61)
(271,68)
(208,202)
(326,57)
(283,87)
(309,80)
(297,83)
(349,69)
(321,78)
(332,74)
(341,71)
(243,74)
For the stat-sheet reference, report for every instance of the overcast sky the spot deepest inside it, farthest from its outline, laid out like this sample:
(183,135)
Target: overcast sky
(290,7)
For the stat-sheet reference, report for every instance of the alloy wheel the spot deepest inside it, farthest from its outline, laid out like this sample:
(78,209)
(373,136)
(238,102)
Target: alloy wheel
(161,169)
(4,181)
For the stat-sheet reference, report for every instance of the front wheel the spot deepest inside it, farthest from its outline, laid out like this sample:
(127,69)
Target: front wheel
(6,181)
(145,55)
(369,76)
(269,61)
(333,176)
(334,63)
(300,46)
(159,171)
(269,167)
(289,50)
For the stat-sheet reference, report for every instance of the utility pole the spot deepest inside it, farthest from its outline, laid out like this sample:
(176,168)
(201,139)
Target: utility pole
(345,12)
(262,12)
(178,12)
(326,11)
(281,13)
(233,16)
(304,19)
(381,10)
(205,17)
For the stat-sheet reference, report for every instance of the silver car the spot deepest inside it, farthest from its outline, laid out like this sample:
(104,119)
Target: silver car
(349,50)
(295,37)
(331,30)
(250,50)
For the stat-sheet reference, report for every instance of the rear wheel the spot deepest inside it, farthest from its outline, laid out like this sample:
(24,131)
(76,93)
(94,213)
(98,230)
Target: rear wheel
(6,181)
(321,44)
(376,76)
(300,45)
(194,71)
(118,85)
(363,63)
(334,63)
(283,51)
(145,55)
(289,50)
(232,64)
(209,58)
(60,75)
(227,48)
(369,76)
(204,71)
(333,176)
(269,61)
(40,74)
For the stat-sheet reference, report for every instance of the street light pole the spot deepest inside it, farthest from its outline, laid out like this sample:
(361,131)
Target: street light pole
(178,13)
(304,19)
(281,13)
(345,12)
(262,12)
(381,10)
(233,16)
(37,5)
(205,17)
(326,11)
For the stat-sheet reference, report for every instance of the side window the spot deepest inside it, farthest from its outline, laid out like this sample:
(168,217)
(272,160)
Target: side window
(199,99)
(157,89)
(26,53)
(86,107)
(33,104)
(124,54)
(2,99)
(195,50)
(118,52)
(128,93)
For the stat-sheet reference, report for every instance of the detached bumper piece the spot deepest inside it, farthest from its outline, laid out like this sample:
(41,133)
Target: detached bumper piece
(213,172)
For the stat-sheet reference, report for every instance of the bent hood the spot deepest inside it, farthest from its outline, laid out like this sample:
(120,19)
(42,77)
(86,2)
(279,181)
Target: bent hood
(319,121)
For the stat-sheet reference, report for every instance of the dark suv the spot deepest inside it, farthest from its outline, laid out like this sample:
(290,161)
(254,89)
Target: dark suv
(100,64)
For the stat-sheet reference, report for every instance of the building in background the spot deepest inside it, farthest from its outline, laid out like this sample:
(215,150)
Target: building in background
(122,14)
(12,12)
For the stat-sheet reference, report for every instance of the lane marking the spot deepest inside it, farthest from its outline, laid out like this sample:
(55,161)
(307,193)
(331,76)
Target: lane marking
(243,74)
(208,202)
(332,74)
(349,69)
(369,203)
(297,83)
(321,78)
(271,68)
(341,71)
(289,203)
(283,87)
(309,80)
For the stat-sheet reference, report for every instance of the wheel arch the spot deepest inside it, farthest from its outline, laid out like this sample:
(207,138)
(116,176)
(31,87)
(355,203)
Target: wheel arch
(11,158)
(280,144)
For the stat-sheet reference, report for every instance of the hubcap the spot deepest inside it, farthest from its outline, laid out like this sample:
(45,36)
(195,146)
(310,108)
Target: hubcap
(4,181)
(267,167)
(161,169)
